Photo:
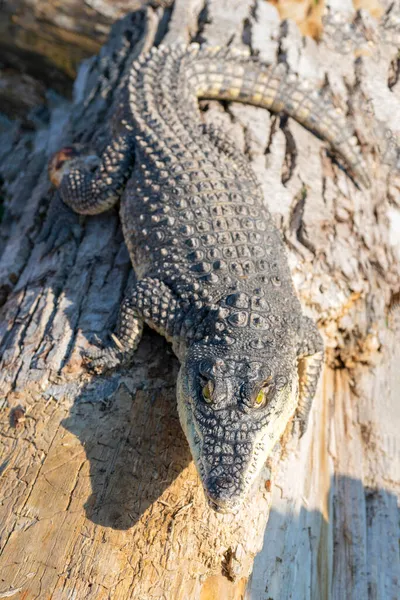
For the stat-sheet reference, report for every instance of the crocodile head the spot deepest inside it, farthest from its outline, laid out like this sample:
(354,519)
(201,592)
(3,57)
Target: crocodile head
(233,410)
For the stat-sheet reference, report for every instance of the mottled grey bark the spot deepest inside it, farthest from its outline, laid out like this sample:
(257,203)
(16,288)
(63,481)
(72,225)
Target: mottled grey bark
(100,498)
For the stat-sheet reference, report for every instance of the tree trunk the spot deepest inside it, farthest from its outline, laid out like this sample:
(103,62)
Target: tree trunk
(100,498)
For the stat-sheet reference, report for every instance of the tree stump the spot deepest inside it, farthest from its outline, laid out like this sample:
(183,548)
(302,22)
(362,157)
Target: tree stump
(100,498)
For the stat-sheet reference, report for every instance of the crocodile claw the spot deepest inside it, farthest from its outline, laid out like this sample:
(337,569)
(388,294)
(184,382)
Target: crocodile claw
(108,357)
(99,360)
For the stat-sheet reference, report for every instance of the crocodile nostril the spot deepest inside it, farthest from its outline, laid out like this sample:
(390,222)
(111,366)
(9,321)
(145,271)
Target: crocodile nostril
(220,485)
(223,493)
(224,482)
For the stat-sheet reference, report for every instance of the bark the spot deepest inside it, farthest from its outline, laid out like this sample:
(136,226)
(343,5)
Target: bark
(100,498)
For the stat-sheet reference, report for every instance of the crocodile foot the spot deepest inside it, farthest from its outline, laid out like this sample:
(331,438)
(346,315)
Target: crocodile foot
(106,358)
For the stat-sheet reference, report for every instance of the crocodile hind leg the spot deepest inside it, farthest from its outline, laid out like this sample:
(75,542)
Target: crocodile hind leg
(226,145)
(310,357)
(149,301)
(89,184)
(91,191)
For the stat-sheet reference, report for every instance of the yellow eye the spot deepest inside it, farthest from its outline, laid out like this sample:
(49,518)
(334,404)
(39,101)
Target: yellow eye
(207,391)
(260,398)
(263,394)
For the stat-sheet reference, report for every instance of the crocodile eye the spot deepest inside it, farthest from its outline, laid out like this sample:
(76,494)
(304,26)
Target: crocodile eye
(207,392)
(259,401)
(262,395)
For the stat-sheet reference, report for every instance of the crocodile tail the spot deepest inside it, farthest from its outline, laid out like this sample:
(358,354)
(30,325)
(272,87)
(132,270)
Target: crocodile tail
(226,74)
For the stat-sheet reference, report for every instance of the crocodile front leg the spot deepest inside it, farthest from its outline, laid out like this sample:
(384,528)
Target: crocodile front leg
(310,357)
(149,301)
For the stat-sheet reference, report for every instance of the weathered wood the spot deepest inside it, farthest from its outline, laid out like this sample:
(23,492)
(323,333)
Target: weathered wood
(100,498)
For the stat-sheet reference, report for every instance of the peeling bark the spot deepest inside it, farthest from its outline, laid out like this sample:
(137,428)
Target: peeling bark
(100,498)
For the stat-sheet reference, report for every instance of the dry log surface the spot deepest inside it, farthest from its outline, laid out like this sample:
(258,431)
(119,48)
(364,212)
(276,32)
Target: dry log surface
(99,496)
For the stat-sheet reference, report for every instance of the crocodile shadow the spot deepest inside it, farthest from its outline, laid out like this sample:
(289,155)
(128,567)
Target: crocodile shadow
(132,437)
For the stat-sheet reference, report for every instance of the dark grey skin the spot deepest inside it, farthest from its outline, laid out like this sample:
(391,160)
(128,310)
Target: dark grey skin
(212,272)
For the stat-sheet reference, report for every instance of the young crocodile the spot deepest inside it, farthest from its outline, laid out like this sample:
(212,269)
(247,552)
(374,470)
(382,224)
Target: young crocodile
(212,273)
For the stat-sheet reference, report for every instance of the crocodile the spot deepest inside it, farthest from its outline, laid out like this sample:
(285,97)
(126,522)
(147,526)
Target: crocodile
(212,274)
